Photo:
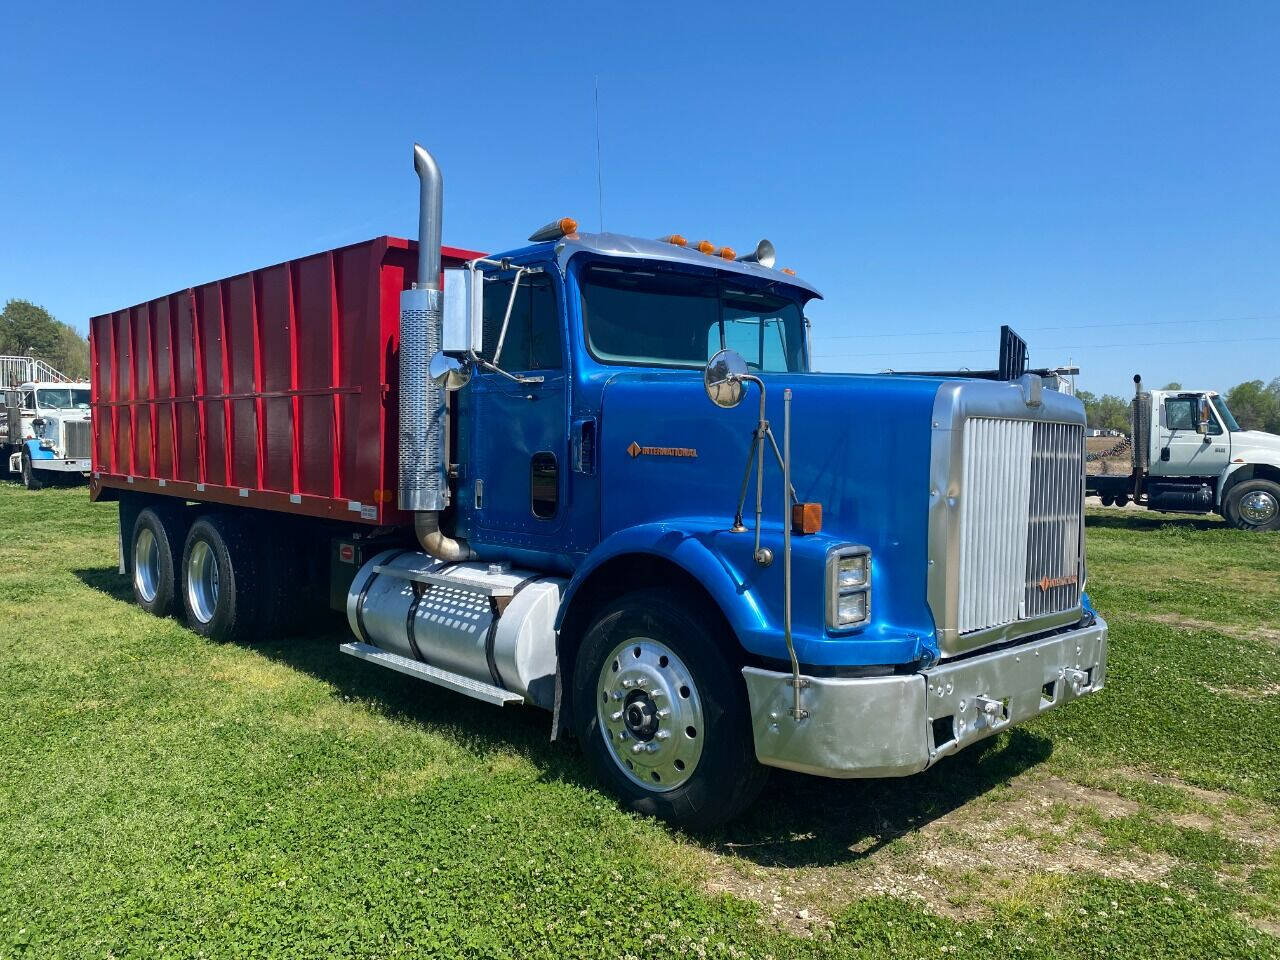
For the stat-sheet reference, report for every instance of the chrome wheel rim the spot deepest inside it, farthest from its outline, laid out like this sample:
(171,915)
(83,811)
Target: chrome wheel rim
(202,581)
(1259,507)
(650,714)
(146,565)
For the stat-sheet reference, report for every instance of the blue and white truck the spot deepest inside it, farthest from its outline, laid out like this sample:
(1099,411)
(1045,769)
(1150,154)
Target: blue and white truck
(622,495)
(45,427)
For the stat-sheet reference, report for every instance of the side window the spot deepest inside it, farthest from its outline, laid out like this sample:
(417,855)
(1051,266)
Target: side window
(533,334)
(29,400)
(1180,413)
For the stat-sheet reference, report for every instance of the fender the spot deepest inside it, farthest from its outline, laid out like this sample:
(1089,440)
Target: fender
(33,448)
(1224,481)
(750,597)
(684,543)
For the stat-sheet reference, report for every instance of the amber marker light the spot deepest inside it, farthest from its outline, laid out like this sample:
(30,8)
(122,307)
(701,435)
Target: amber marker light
(806,518)
(788,271)
(727,253)
(706,246)
(676,239)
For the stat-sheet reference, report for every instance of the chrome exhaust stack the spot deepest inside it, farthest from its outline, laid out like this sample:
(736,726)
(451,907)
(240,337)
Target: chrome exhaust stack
(423,483)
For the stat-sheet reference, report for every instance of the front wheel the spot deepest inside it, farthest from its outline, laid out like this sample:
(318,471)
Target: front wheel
(29,478)
(1254,505)
(662,712)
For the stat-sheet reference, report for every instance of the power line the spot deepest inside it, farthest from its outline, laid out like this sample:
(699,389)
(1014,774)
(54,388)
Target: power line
(1074,326)
(1041,350)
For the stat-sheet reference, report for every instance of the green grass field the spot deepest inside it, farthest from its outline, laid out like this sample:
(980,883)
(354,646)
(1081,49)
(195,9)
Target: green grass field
(164,796)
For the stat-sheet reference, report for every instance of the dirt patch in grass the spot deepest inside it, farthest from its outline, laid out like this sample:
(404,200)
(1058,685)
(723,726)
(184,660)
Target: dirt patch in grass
(1021,842)
(1265,634)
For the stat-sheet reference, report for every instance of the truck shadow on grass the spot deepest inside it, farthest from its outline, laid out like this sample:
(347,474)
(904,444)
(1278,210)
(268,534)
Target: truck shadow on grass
(1134,521)
(803,821)
(798,821)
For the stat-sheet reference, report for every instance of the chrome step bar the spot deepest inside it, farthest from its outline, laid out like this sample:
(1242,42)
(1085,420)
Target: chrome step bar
(441,678)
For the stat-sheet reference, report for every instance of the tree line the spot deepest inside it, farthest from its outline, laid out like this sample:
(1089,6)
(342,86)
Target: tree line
(1255,404)
(29,330)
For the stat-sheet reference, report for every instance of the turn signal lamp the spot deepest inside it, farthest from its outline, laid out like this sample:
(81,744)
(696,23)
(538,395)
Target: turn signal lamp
(675,238)
(555,230)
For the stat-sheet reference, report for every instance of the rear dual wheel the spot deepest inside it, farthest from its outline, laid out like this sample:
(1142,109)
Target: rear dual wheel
(155,535)
(231,582)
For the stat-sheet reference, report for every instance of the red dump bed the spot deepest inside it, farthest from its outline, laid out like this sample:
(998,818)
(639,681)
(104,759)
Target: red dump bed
(273,389)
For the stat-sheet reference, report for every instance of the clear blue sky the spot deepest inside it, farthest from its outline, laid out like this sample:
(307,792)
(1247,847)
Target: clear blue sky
(1104,177)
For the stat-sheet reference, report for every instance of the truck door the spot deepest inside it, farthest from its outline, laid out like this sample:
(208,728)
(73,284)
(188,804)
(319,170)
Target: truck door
(520,432)
(1180,451)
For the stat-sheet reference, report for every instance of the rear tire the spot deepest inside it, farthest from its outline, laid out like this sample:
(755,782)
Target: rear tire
(1108,500)
(1253,505)
(220,578)
(695,766)
(1122,500)
(29,478)
(153,562)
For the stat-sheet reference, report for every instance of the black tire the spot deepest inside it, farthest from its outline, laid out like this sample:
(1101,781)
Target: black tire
(1253,505)
(153,563)
(29,478)
(225,601)
(1108,500)
(1122,500)
(725,777)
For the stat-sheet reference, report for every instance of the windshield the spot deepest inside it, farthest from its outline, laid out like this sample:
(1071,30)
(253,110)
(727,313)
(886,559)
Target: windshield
(63,399)
(1221,406)
(674,320)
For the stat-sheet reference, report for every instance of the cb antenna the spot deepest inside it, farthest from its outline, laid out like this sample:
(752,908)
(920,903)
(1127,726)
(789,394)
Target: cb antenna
(599,170)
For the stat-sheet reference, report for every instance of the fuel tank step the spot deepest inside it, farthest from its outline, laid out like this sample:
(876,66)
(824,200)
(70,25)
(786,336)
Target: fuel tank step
(441,678)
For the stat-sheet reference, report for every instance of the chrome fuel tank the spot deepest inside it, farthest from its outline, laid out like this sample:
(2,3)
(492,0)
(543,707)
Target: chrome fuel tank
(487,622)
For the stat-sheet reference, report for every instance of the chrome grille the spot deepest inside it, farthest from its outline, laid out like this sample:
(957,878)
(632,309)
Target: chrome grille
(78,439)
(1020,521)
(1055,544)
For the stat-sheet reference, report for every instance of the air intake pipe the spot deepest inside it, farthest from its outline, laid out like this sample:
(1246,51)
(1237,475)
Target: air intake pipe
(423,479)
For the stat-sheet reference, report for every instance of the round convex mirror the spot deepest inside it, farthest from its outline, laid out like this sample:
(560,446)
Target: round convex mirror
(448,372)
(722,379)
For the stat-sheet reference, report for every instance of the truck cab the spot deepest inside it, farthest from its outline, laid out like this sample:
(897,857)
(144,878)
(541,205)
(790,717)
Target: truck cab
(46,430)
(1191,456)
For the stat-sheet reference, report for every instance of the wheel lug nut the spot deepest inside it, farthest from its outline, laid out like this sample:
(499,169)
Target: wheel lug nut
(642,682)
(664,713)
(628,684)
(663,734)
(616,716)
(640,748)
(617,694)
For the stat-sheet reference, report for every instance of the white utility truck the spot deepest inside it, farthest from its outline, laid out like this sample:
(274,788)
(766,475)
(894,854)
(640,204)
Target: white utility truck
(1190,456)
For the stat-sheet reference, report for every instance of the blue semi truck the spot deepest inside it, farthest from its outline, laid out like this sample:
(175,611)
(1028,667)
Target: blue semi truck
(634,505)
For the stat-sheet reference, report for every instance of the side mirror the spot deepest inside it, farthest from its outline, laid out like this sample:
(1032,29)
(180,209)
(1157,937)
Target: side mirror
(463,311)
(448,372)
(1202,425)
(722,379)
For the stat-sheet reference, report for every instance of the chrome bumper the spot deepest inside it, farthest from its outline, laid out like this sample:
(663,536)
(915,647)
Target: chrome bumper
(64,465)
(898,725)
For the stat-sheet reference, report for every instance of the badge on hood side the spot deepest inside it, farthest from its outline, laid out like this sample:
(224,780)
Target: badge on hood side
(635,450)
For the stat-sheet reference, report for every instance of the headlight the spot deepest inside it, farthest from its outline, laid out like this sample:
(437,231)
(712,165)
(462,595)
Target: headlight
(46,444)
(848,587)
(851,572)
